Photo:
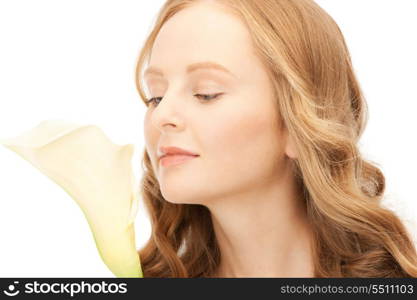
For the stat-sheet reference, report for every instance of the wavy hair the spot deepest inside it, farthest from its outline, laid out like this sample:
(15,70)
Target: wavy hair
(322,106)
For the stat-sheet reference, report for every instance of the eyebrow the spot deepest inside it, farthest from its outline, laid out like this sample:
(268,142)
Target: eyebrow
(191,68)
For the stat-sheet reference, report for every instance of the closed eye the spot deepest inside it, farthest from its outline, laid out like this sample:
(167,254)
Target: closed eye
(203,97)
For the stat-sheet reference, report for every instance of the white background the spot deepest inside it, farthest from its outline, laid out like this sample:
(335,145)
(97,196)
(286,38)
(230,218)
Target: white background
(75,60)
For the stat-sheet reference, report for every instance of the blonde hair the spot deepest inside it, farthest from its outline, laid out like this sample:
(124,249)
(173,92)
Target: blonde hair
(321,104)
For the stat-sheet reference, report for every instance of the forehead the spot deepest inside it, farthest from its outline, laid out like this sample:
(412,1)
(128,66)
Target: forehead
(203,32)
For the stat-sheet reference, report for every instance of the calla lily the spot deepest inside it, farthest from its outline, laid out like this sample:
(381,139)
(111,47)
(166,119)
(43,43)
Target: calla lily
(97,174)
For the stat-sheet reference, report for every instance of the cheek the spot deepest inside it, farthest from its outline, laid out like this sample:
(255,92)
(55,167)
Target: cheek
(150,137)
(244,138)
(147,134)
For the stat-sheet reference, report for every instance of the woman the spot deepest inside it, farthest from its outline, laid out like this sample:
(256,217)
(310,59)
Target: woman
(264,95)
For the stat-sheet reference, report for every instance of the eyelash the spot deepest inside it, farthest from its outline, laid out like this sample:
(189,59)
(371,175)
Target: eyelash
(212,96)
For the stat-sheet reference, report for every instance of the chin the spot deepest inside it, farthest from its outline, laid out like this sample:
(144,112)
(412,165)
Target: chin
(188,195)
(177,195)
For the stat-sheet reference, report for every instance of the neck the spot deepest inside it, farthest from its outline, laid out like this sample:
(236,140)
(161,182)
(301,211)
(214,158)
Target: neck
(263,233)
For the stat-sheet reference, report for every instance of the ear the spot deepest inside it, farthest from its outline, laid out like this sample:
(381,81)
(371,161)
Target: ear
(290,149)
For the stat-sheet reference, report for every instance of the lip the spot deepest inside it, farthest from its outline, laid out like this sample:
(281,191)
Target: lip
(174,155)
(162,151)
(175,159)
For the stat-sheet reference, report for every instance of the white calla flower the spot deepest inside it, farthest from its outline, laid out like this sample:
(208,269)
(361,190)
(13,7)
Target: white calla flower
(97,174)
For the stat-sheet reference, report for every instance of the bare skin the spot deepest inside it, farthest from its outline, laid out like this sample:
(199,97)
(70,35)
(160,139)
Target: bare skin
(243,173)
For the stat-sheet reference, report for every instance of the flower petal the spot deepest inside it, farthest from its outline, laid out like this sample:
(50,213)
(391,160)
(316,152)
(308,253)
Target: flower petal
(98,175)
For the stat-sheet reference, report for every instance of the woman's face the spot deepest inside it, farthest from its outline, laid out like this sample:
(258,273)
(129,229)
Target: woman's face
(236,135)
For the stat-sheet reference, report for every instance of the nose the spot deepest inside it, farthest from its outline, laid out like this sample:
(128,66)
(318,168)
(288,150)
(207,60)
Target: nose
(166,115)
